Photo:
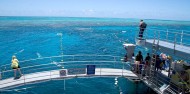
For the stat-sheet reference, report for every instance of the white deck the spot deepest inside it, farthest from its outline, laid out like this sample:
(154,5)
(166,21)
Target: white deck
(168,47)
(55,74)
(178,47)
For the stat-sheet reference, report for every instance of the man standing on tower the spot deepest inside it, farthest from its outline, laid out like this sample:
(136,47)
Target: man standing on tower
(142,27)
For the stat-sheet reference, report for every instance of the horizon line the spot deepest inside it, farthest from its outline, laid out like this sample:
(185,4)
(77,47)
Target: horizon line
(96,17)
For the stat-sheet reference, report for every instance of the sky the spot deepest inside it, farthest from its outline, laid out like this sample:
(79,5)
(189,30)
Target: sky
(141,9)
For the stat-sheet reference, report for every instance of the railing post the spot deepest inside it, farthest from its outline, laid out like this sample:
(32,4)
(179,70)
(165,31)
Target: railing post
(175,41)
(1,71)
(114,62)
(181,38)
(158,34)
(155,78)
(154,34)
(141,70)
(64,84)
(50,75)
(61,44)
(123,68)
(0,75)
(158,38)
(24,77)
(154,38)
(3,76)
(169,71)
(167,35)
(100,69)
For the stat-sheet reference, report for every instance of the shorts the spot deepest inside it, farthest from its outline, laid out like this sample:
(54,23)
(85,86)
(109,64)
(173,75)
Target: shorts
(16,68)
(137,62)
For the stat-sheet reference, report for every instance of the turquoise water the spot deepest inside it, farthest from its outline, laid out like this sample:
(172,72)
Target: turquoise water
(29,37)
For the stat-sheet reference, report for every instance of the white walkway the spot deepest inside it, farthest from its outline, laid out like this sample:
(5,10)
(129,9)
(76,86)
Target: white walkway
(164,46)
(55,74)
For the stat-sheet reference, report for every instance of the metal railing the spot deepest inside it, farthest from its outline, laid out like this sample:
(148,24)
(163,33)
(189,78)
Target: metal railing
(55,62)
(157,79)
(69,62)
(176,37)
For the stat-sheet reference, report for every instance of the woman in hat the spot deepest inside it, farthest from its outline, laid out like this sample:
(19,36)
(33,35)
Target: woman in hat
(15,66)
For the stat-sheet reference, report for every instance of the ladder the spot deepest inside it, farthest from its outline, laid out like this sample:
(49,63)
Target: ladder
(153,73)
(155,47)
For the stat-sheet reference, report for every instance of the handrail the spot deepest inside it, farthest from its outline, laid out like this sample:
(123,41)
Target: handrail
(153,29)
(50,57)
(47,75)
(62,63)
(62,56)
(104,60)
(158,80)
(100,66)
(181,37)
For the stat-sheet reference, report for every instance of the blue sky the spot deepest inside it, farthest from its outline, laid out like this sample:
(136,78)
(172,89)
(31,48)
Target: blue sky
(142,9)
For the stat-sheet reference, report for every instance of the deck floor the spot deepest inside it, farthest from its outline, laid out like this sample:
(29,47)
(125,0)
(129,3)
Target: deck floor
(182,48)
(168,48)
(55,74)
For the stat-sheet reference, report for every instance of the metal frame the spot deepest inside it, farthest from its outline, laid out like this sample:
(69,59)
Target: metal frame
(114,63)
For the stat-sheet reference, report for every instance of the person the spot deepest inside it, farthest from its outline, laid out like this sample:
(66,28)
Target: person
(147,59)
(15,66)
(163,59)
(147,63)
(125,58)
(138,61)
(158,63)
(133,56)
(142,27)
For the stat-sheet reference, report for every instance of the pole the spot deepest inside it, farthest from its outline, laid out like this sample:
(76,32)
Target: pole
(167,35)
(175,42)
(0,75)
(61,44)
(64,84)
(181,38)
(123,68)
(169,71)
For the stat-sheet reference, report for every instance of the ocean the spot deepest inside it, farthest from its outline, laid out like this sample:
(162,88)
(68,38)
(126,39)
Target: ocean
(34,37)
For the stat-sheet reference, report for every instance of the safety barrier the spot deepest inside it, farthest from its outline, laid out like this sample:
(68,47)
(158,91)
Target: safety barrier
(55,62)
(72,66)
(159,81)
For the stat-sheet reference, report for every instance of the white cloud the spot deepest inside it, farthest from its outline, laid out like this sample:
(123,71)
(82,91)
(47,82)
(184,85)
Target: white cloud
(89,12)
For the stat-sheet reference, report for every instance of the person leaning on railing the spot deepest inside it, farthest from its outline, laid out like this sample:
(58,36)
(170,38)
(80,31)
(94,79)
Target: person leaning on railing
(15,66)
